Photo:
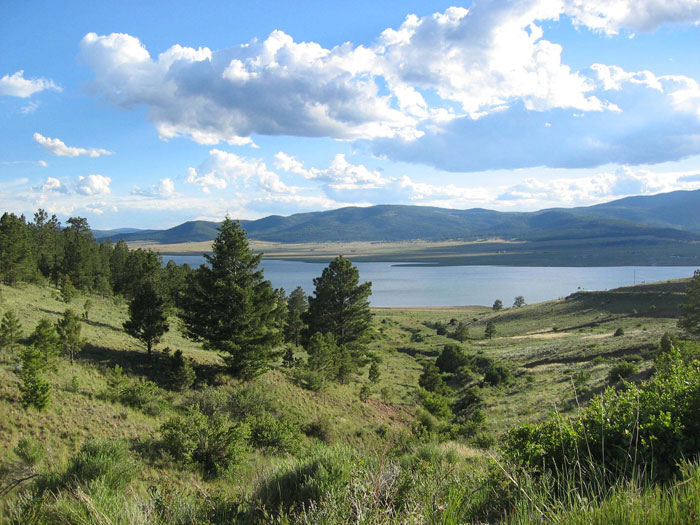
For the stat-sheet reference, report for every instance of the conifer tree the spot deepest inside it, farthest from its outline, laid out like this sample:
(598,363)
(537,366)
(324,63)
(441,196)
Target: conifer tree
(374,372)
(10,330)
(36,391)
(297,304)
(490,330)
(68,328)
(16,255)
(340,305)
(45,339)
(230,307)
(147,319)
(690,318)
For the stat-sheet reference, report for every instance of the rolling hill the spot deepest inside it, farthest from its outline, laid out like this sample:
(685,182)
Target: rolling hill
(673,215)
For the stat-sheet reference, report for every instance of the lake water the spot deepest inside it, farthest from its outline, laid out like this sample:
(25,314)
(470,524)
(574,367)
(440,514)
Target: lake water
(396,285)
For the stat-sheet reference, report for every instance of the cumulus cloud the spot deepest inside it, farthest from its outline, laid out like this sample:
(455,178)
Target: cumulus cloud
(93,185)
(222,168)
(16,85)
(53,185)
(341,174)
(431,90)
(58,148)
(164,188)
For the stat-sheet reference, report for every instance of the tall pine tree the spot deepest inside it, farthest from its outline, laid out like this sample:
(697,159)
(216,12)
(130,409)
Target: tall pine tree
(230,307)
(340,305)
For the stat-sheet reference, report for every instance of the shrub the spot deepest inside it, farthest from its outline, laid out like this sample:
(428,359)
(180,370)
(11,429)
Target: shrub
(276,435)
(654,425)
(436,404)
(619,332)
(364,393)
(209,400)
(431,380)
(105,460)
(309,379)
(320,428)
(251,399)
(621,370)
(30,451)
(497,374)
(302,481)
(212,442)
(144,395)
(451,359)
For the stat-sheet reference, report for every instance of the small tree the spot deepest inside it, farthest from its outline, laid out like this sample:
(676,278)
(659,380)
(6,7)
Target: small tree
(490,330)
(519,301)
(36,391)
(431,380)
(180,374)
(86,308)
(690,318)
(147,320)
(68,291)
(451,359)
(461,333)
(497,305)
(374,372)
(68,329)
(297,304)
(45,339)
(10,330)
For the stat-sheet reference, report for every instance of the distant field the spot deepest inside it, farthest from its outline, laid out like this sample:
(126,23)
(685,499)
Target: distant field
(620,251)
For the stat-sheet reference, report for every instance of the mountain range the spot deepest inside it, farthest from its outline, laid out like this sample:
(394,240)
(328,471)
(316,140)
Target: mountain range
(674,215)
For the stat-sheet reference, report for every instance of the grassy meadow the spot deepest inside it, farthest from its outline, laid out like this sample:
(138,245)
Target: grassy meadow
(560,353)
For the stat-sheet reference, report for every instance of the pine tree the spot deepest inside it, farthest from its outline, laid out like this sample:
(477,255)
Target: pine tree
(45,339)
(230,307)
(340,305)
(147,320)
(497,305)
(690,318)
(181,374)
(297,304)
(17,261)
(490,330)
(10,330)
(36,391)
(68,328)
(374,372)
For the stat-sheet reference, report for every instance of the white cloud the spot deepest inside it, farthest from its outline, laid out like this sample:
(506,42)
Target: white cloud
(610,16)
(164,188)
(340,174)
(29,108)
(58,148)
(270,87)
(93,185)
(53,184)
(222,168)
(17,86)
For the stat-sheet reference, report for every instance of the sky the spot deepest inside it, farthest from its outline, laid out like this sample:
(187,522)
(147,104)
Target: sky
(147,114)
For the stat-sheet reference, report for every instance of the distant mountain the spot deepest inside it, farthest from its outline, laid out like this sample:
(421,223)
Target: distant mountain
(677,209)
(669,216)
(101,234)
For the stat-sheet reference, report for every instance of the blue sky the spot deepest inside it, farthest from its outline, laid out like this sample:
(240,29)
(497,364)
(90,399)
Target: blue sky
(147,114)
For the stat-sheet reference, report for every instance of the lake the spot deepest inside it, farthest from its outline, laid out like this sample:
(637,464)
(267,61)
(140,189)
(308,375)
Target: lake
(394,284)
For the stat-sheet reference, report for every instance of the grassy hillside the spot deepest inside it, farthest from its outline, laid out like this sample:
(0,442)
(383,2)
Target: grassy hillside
(559,354)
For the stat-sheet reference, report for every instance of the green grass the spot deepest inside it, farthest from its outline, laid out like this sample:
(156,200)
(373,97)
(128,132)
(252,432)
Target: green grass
(545,345)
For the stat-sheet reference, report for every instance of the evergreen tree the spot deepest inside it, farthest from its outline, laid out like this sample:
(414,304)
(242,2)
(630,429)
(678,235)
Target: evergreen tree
(68,328)
(374,372)
(147,320)
(16,254)
(323,353)
(497,305)
(451,359)
(297,304)
(288,360)
(519,301)
(45,339)
(340,305)
(490,330)
(180,374)
(230,307)
(431,380)
(10,330)
(461,333)
(690,318)
(36,391)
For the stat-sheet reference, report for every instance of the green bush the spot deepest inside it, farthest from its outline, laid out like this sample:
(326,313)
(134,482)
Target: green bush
(144,395)
(270,433)
(251,399)
(436,404)
(619,332)
(651,426)
(451,359)
(103,460)
(30,451)
(301,481)
(309,379)
(212,442)
(497,374)
(621,370)
(320,428)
